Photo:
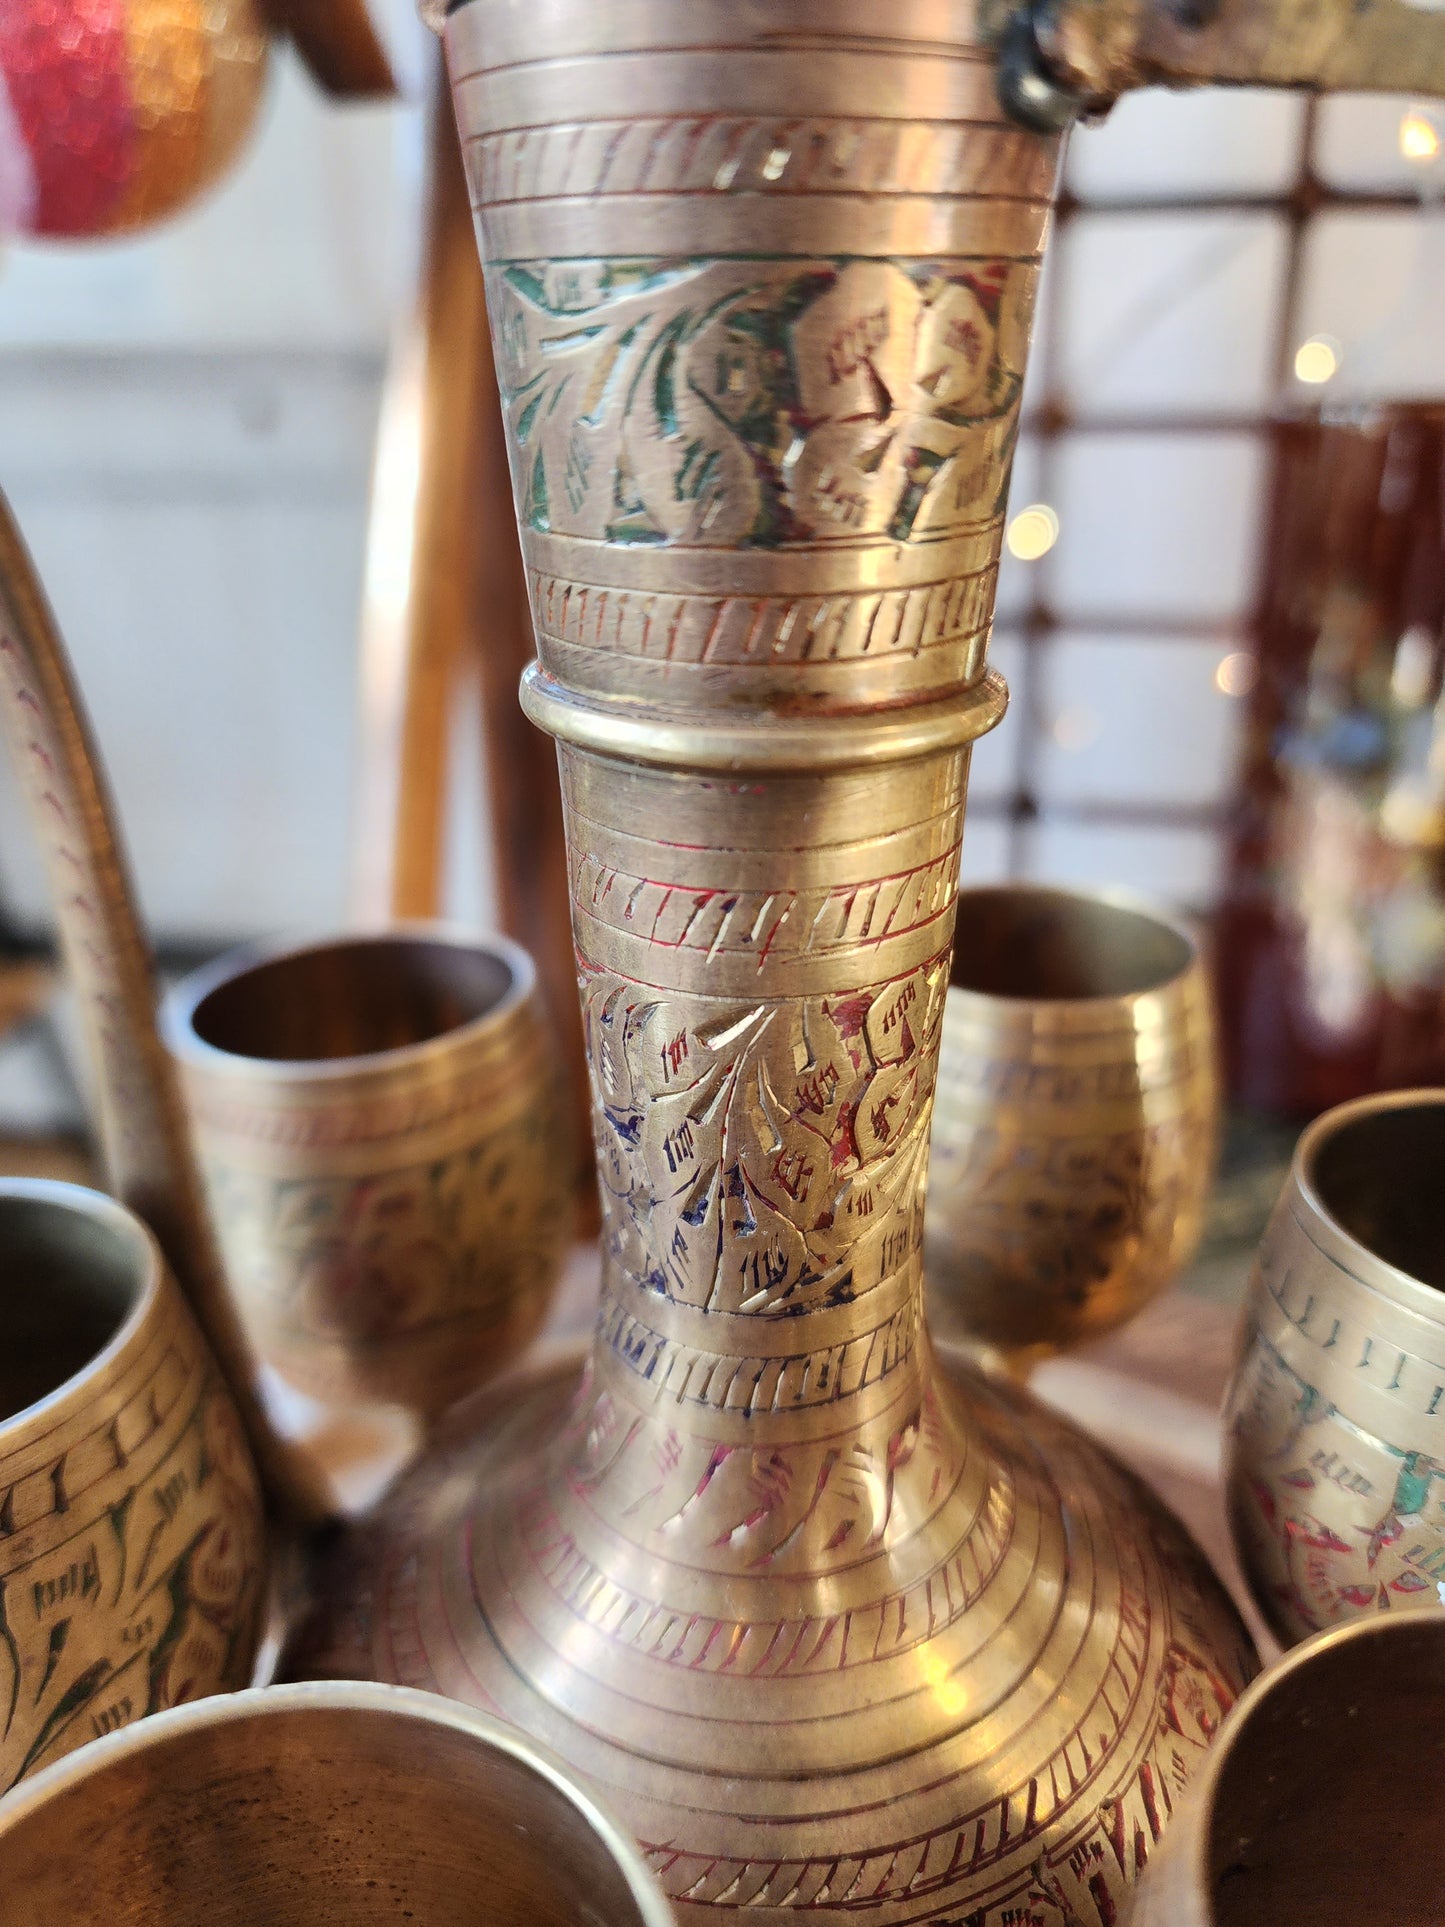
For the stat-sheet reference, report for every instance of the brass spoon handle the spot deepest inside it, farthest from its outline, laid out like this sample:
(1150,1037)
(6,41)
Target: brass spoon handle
(145,1145)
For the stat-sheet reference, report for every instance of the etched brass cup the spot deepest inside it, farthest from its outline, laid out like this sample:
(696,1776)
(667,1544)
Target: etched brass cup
(131,1533)
(1319,1804)
(1076,1122)
(1335,1418)
(305,1806)
(377,1123)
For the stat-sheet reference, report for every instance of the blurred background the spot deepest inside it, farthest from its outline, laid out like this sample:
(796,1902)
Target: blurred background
(188,421)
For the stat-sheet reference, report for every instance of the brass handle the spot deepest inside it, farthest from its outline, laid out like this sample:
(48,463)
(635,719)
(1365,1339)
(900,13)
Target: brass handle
(145,1145)
(1061,58)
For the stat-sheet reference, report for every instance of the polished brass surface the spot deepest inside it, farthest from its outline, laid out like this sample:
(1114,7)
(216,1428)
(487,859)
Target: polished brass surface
(131,1552)
(1335,1428)
(143,1137)
(794,1696)
(377,1123)
(1319,1805)
(839,1632)
(319,1806)
(460,636)
(1076,1122)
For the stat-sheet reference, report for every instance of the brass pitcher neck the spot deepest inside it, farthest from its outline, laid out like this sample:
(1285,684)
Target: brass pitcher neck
(760,347)
(764,962)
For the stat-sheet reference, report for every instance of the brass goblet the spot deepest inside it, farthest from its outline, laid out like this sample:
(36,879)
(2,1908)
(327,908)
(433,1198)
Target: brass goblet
(377,1123)
(131,1548)
(308,1806)
(1303,1783)
(1076,1120)
(1335,1418)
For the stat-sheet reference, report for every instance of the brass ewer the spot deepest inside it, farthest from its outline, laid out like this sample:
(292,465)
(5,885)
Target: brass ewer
(834,1629)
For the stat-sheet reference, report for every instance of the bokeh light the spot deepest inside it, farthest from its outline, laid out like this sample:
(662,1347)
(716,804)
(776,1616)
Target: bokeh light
(1032,532)
(1076,728)
(1317,359)
(1419,135)
(1236,674)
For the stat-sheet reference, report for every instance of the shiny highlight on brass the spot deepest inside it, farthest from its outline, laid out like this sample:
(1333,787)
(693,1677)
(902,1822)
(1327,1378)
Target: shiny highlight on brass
(1076,1125)
(1335,1419)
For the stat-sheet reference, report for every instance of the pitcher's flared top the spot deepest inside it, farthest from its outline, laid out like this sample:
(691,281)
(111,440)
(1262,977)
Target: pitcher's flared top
(761,280)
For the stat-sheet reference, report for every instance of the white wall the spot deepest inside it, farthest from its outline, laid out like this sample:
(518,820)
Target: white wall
(186,422)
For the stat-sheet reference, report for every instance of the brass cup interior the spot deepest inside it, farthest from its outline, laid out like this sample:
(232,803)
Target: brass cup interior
(358,997)
(1379,1173)
(1037,945)
(1326,1804)
(316,1806)
(73,1270)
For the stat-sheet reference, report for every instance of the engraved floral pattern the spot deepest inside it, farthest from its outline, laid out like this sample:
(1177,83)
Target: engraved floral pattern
(764,1159)
(759,403)
(152,1600)
(352,1281)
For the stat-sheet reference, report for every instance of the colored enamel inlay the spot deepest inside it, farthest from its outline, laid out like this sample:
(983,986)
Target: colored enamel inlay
(65,67)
